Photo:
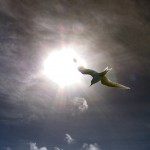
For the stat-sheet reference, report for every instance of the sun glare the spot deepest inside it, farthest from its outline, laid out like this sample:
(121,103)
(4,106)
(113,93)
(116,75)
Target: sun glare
(60,67)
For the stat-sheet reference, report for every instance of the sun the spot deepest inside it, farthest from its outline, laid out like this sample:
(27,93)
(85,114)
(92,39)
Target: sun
(61,69)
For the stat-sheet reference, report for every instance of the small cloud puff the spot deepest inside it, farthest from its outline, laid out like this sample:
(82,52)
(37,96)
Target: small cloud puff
(33,146)
(57,148)
(90,147)
(69,139)
(81,103)
(8,148)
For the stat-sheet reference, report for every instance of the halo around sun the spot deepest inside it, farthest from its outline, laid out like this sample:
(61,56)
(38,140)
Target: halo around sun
(61,69)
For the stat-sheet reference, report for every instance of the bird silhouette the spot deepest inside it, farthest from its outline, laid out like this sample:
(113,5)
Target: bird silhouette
(100,77)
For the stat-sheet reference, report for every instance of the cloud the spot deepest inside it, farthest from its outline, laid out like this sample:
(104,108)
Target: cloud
(81,103)
(8,148)
(57,148)
(33,146)
(69,139)
(90,147)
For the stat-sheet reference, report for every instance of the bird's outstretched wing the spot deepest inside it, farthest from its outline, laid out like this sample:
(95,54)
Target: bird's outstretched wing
(84,70)
(106,81)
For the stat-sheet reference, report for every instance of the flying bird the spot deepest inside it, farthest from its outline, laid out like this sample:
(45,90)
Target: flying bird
(100,77)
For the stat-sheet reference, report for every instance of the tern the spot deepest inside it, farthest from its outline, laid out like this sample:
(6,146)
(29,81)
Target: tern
(100,77)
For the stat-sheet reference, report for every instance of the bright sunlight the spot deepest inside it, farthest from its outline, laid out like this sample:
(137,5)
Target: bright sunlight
(60,67)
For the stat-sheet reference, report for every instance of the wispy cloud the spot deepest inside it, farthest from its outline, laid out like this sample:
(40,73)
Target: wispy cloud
(81,103)
(33,146)
(57,148)
(68,138)
(8,148)
(90,147)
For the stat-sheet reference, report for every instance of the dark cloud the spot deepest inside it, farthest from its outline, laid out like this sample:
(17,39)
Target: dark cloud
(105,33)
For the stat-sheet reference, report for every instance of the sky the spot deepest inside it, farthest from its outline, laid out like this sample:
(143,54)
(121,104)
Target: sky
(36,113)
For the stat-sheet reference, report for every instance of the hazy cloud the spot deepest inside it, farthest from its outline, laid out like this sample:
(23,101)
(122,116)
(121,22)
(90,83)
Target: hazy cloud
(33,146)
(81,103)
(69,139)
(8,148)
(104,32)
(90,147)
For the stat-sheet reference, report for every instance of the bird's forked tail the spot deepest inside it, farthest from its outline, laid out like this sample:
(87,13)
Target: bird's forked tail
(105,71)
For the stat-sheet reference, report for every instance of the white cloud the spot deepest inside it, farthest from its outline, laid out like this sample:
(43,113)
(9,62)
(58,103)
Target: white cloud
(57,148)
(81,103)
(90,147)
(69,139)
(33,146)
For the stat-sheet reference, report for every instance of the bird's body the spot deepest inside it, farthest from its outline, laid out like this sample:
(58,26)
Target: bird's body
(100,77)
